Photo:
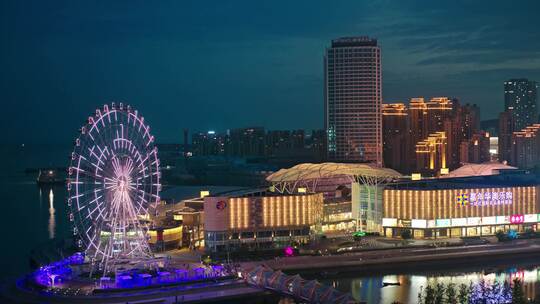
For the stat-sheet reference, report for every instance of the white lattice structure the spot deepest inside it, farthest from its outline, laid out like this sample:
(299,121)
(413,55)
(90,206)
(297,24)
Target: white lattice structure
(114,180)
(366,182)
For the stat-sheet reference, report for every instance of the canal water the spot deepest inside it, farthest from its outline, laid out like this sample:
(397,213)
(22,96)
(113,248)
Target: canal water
(32,216)
(371,288)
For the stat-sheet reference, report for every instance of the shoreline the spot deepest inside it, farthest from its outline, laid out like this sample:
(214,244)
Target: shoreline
(392,260)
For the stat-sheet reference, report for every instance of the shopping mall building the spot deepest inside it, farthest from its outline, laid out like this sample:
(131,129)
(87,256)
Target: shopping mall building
(260,219)
(476,200)
(308,200)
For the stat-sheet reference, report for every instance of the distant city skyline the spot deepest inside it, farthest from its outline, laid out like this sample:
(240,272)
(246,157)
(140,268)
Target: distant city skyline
(224,66)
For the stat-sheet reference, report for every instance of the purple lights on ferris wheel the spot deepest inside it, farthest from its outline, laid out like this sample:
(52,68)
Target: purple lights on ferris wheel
(114,179)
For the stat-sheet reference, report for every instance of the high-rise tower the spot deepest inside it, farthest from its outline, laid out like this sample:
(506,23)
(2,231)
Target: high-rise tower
(353,100)
(520,101)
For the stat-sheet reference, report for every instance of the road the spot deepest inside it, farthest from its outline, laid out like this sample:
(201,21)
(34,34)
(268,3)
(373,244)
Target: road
(386,257)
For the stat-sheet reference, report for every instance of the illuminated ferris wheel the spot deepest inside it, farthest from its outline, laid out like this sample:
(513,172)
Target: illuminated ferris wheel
(114,182)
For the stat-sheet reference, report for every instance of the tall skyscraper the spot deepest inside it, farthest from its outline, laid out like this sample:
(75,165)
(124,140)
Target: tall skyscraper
(353,100)
(520,100)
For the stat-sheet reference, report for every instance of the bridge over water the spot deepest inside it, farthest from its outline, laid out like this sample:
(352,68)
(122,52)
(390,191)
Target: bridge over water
(295,286)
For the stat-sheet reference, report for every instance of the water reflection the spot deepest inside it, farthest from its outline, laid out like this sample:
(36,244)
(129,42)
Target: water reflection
(371,289)
(52,217)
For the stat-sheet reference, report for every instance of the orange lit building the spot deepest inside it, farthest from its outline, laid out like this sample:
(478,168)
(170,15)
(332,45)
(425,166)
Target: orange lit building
(431,154)
(260,219)
(464,206)
(395,135)
(412,134)
(476,149)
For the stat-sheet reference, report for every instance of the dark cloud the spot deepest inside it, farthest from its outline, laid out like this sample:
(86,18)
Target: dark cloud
(224,64)
(493,57)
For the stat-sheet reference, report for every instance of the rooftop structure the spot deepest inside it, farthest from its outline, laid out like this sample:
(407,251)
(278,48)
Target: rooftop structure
(354,41)
(365,180)
(489,168)
(304,174)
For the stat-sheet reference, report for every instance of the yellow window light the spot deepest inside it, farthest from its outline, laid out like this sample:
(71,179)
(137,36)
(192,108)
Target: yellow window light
(416,176)
(204,193)
(302,190)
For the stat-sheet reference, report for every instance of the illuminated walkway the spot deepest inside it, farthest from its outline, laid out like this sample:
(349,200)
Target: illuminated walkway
(310,291)
(209,291)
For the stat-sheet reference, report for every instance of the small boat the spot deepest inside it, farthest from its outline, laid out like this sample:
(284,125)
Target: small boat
(49,177)
(391,284)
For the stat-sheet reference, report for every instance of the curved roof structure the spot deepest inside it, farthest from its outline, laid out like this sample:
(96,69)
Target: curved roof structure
(310,171)
(488,168)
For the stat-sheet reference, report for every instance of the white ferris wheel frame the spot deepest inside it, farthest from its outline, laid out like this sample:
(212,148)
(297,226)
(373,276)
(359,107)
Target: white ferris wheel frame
(114,181)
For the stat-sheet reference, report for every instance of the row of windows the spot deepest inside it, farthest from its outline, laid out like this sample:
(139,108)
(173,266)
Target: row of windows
(223,236)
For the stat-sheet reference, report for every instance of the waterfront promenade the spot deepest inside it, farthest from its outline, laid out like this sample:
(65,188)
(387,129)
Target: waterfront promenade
(386,259)
(233,290)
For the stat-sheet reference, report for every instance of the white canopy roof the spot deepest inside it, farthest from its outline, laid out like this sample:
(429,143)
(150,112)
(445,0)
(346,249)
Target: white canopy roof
(308,171)
(488,168)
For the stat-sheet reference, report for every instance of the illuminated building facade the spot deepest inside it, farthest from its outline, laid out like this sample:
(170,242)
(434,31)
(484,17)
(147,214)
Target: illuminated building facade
(525,149)
(431,154)
(260,220)
(208,143)
(477,149)
(356,185)
(468,206)
(439,110)
(165,237)
(520,101)
(415,136)
(353,100)
(395,136)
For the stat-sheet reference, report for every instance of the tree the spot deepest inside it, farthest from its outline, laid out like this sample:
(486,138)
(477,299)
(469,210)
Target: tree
(439,293)
(430,295)
(507,291)
(478,293)
(500,236)
(463,295)
(406,234)
(500,293)
(451,295)
(517,293)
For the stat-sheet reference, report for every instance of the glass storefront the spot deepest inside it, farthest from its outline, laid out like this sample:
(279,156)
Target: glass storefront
(456,232)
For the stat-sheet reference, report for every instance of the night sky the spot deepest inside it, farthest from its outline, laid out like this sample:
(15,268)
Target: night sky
(224,64)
